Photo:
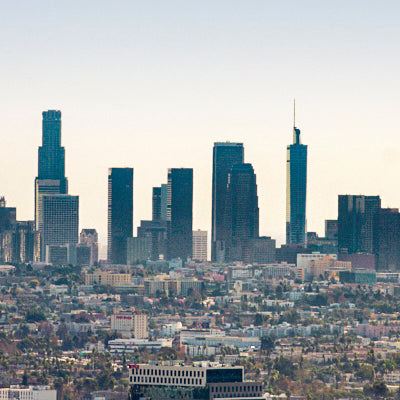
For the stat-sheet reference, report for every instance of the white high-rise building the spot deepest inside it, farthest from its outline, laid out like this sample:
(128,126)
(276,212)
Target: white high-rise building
(199,245)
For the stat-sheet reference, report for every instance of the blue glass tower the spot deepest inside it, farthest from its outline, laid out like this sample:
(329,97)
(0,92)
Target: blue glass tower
(296,191)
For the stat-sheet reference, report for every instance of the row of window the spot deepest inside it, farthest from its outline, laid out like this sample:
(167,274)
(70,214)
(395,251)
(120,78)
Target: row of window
(238,388)
(169,381)
(168,372)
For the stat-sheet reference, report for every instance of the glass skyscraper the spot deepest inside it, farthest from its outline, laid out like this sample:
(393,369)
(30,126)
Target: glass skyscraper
(51,163)
(180,213)
(56,213)
(241,213)
(120,213)
(225,156)
(296,191)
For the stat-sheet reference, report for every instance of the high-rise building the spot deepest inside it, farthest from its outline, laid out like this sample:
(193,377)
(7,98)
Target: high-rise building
(199,245)
(180,213)
(331,229)
(356,216)
(8,216)
(156,203)
(156,233)
(59,220)
(51,163)
(225,156)
(120,213)
(89,237)
(387,239)
(241,212)
(296,191)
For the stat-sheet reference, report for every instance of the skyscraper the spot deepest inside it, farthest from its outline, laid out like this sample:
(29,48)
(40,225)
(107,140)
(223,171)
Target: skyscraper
(59,220)
(356,216)
(51,163)
(241,212)
(387,239)
(180,213)
(156,203)
(120,213)
(296,191)
(225,156)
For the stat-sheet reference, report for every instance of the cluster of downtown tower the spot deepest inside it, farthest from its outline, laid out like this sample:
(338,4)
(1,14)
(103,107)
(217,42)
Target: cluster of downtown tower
(169,234)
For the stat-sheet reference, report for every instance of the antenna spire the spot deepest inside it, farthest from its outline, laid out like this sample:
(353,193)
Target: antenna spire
(294,112)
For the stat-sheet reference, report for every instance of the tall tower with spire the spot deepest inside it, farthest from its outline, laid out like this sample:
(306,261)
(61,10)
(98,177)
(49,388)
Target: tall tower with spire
(296,189)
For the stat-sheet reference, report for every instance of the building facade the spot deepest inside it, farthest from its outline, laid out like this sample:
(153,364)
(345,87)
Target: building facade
(296,191)
(225,156)
(241,213)
(89,237)
(59,220)
(356,215)
(180,213)
(387,239)
(120,213)
(200,241)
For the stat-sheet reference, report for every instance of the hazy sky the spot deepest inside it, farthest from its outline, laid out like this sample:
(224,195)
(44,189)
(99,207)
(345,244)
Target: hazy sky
(152,85)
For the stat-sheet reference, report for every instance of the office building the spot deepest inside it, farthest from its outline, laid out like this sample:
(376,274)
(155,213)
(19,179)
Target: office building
(59,220)
(8,216)
(89,237)
(28,393)
(156,233)
(107,278)
(331,229)
(198,381)
(156,203)
(225,156)
(241,213)
(138,249)
(51,161)
(263,250)
(120,213)
(296,191)
(199,245)
(27,242)
(133,323)
(387,239)
(356,215)
(180,213)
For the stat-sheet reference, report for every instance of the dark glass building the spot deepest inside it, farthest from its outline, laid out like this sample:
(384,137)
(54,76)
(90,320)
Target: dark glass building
(180,213)
(156,203)
(296,191)
(51,163)
(241,213)
(356,216)
(387,239)
(225,156)
(120,213)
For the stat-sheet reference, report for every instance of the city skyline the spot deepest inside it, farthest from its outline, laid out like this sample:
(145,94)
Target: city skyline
(232,76)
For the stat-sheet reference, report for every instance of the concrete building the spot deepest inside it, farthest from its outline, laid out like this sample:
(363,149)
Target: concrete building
(133,323)
(198,381)
(199,245)
(100,277)
(28,393)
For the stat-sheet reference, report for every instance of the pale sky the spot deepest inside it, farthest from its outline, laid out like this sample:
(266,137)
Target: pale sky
(153,84)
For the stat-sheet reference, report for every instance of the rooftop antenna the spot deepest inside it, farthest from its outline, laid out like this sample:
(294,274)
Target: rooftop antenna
(294,112)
